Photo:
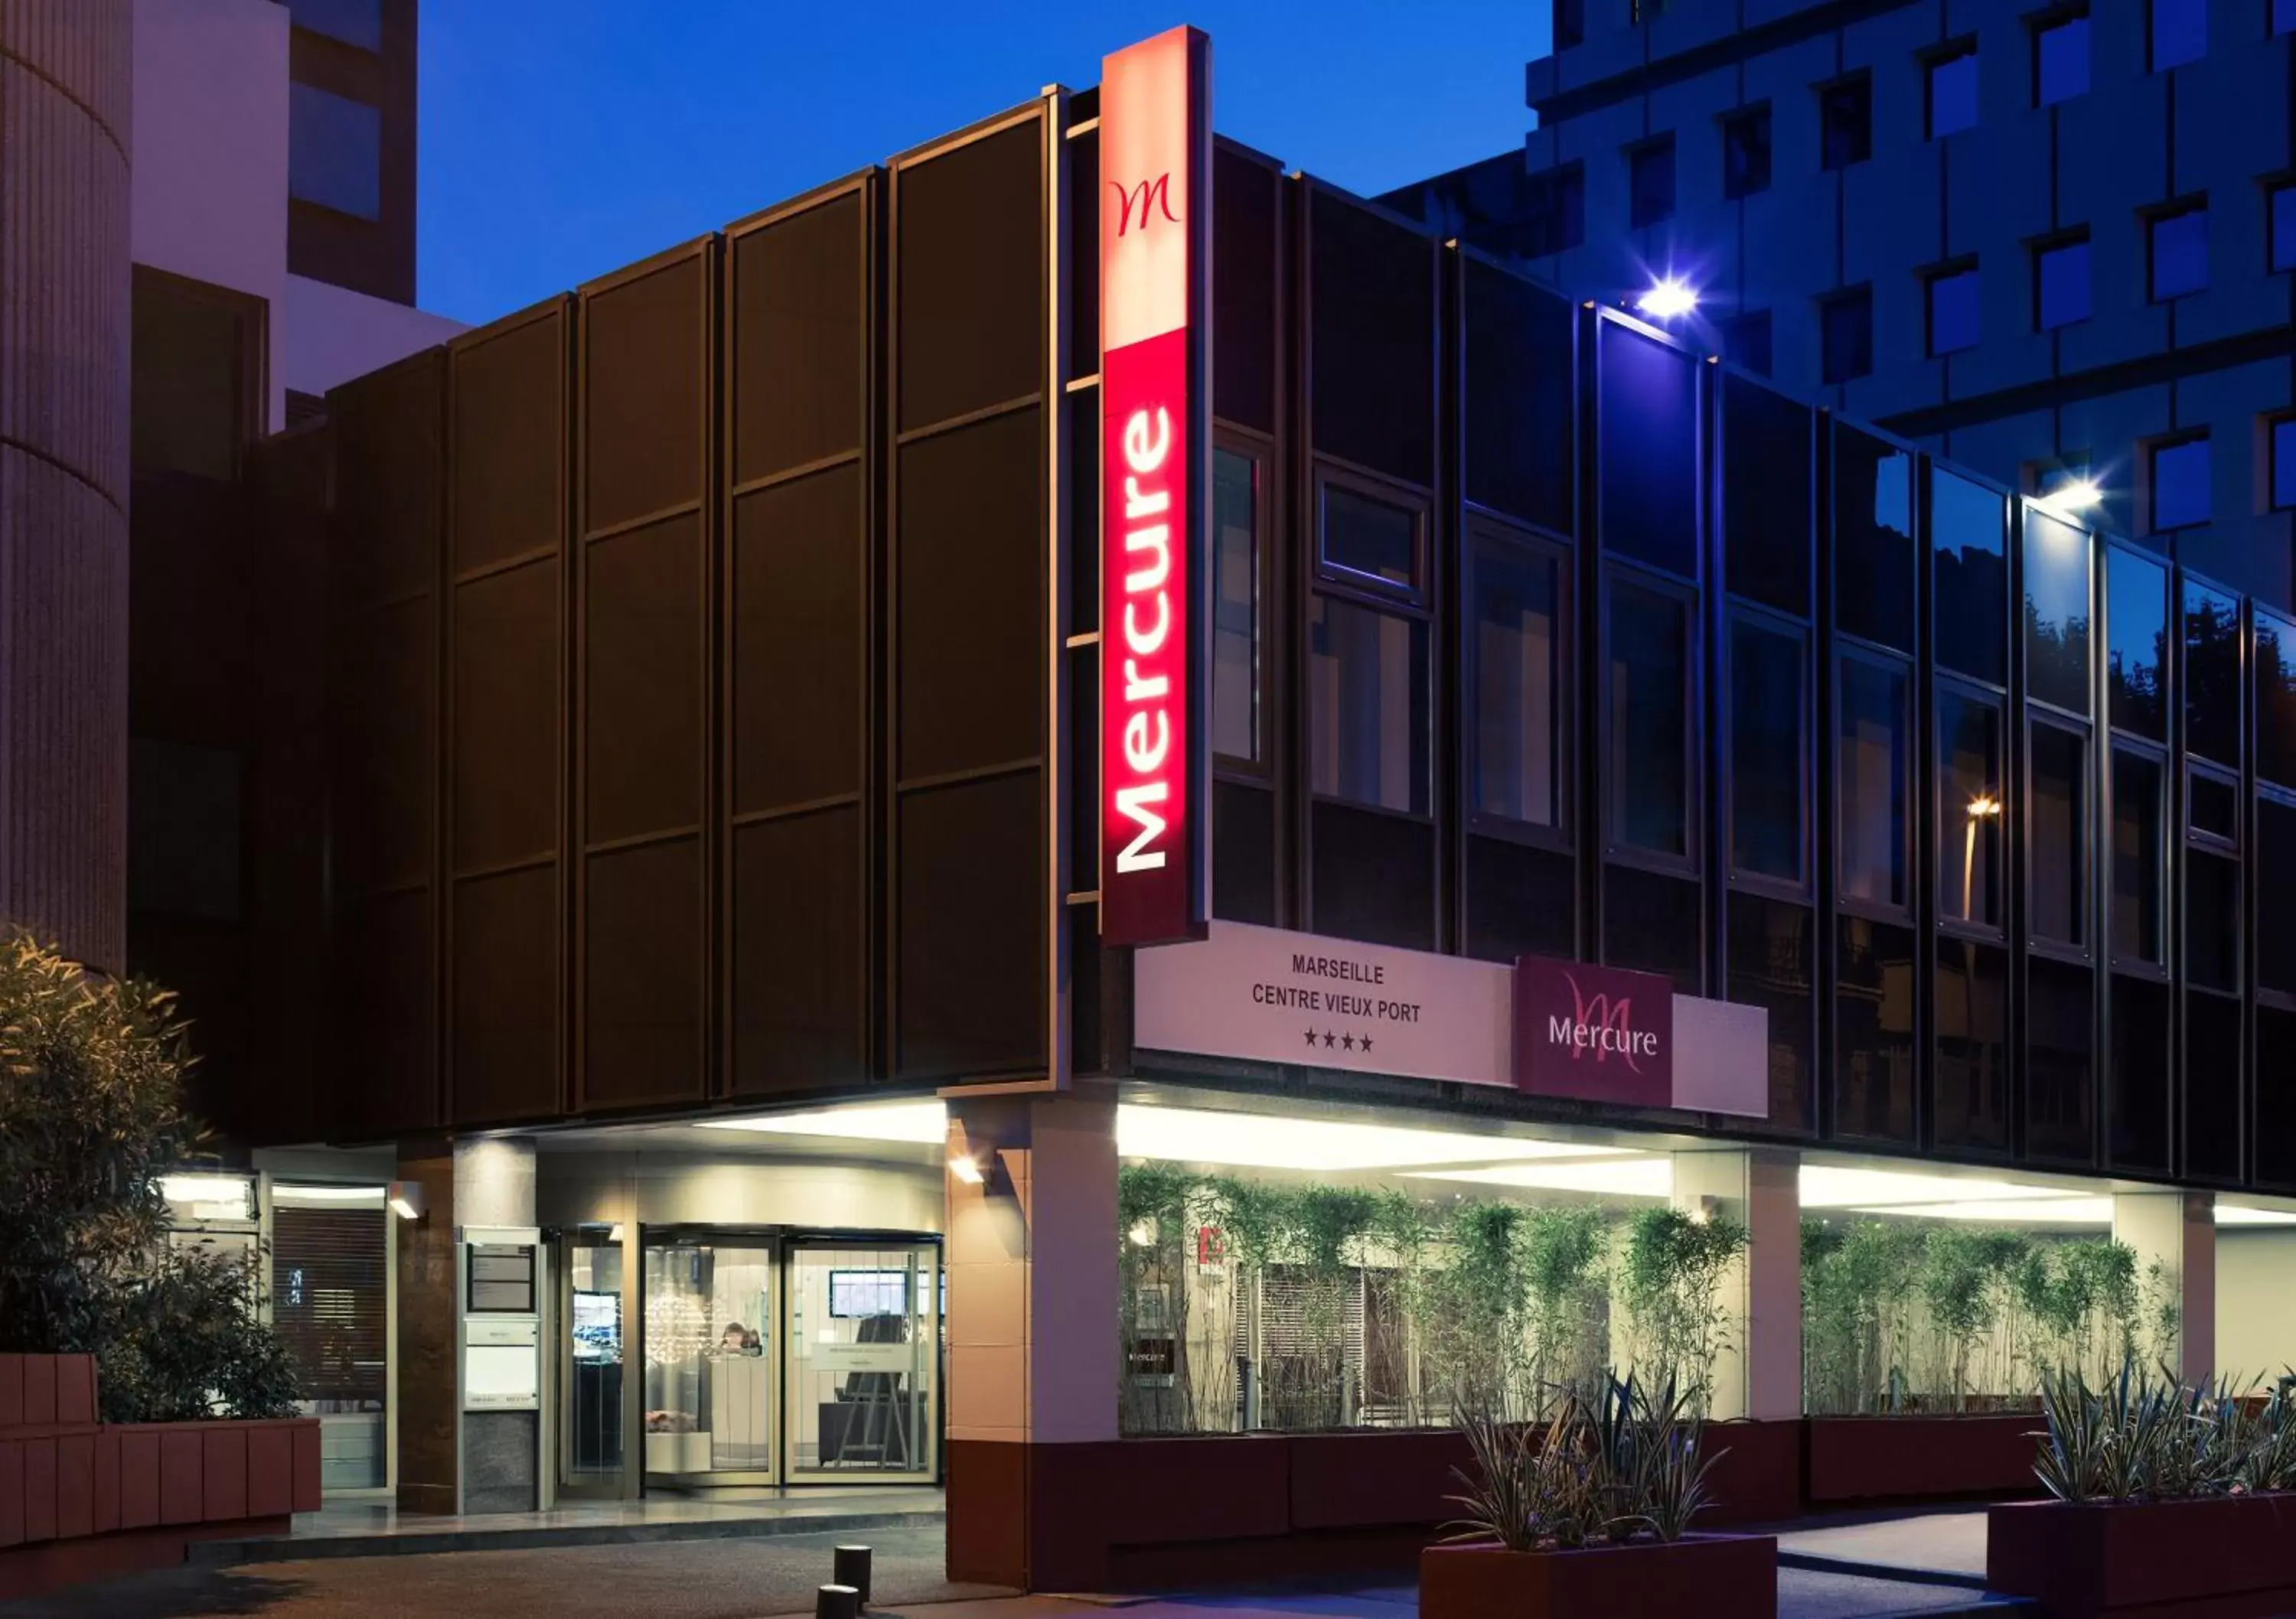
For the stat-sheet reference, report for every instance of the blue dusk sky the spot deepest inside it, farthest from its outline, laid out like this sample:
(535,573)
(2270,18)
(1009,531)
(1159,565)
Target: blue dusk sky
(563,138)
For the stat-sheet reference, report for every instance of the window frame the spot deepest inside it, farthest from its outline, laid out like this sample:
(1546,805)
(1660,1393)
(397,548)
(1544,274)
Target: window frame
(1756,114)
(1484,529)
(1616,849)
(1904,914)
(1802,889)
(1979,694)
(1963,49)
(2027,509)
(2196,770)
(1370,588)
(1363,591)
(2273,425)
(2081,951)
(2166,867)
(1258,771)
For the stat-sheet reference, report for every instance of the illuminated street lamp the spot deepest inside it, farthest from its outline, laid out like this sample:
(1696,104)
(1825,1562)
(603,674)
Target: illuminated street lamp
(1985,806)
(1667,300)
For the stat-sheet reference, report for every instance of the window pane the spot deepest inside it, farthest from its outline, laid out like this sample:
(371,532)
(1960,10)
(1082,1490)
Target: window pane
(1846,122)
(357,23)
(1649,450)
(1771,964)
(2060,1058)
(2137,611)
(2212,676)
(1650,723)
(1765,495)
(1873,1030)
(2141,1065)
(1874,540)
(2056,612)
(2284,225)
(2214,805)
(1846,333)
(2062,66)
(2284,16)
(1953,311)
(1766,751)
(2212,1086)
(190,367)
(1370,537)
(1651,183)
(1973,1044)
(1236,606)
(1368,705)
(2180,253)
(1517,656)
(1971,557)
(2275,700)
(2063,282)
(2180,32)
(1969,809)
(334,152)
(1654,923)
(2212,922)
(2139,859)
(1953,94)
(2058,839)
(2284,463)
(1746,341)
(1746,153)
(2180,484)
(2275,918)
(1873,782)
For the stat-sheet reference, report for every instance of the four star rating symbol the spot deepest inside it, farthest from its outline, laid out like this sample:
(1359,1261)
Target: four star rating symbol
(1348,1042)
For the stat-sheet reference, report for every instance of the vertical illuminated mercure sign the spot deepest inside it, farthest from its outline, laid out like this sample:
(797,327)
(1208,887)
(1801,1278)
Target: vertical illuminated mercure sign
(1155,218)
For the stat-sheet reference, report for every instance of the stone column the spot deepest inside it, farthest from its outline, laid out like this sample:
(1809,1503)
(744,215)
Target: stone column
(1032,1334)
(1760,1376)
(2178,1232)
(64,277)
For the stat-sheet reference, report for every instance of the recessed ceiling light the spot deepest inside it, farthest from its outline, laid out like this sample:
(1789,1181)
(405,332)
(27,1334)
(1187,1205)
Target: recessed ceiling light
(1260,1140)
(2248,1214)
(1635,1177)
(1825,1186)
(922,1124)
(2013,1211)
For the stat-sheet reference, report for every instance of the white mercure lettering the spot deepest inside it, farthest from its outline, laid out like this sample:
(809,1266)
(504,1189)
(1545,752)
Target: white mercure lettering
(1139,688)
(1141,754)
(1133,802)
(1142,454)
(1156,537)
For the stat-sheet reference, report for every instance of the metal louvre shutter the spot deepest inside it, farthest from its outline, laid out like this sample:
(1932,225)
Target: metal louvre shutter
(330,1301)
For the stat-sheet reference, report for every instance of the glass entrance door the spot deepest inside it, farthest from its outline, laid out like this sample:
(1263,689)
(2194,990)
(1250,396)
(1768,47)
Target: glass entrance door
(708,1332)
(864,1350)
(595,1354)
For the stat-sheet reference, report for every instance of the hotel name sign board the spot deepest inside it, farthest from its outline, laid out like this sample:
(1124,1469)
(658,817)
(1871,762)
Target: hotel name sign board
(1544,1027)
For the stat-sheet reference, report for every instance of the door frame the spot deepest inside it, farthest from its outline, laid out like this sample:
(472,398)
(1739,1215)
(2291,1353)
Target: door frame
(936,1428)
(627,1483)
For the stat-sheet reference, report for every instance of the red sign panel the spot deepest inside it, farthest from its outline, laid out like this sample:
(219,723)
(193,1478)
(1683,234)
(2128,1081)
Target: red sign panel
(1594,1033)
(1155,212)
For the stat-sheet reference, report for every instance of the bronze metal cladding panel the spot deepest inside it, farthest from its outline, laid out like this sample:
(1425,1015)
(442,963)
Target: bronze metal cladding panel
(644,659)
(800,313)
(799,999)
(799,628)
(1371,339)
(972,897)
(969,285)
(1247,216)
(506,727)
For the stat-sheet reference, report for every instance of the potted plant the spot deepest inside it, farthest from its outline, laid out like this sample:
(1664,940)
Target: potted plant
(1591,1513)
(2162,1499)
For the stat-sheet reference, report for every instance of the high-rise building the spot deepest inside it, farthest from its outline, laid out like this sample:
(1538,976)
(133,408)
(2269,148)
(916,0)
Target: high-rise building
(2052,242)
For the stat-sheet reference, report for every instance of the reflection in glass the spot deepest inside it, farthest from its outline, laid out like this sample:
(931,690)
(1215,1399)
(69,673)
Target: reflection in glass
(863,1354)
(1649,403)
(2275,700)
(1236,606)
(2212,674)
(594,1417)
(2213,1061)
(1969,552)
(1973,1044)
(1969,818)
(2276,910)
(1765,495)
(1766,751)
(708,1380)
(1368,705)
(1517,655)
(2213,804)
(2136,618)
(1771,966)
(2059,1057)
(1649,721)
(2212,922)
(1370,537)
(2138,1077)
(2139,861)
(2056,612)
(2060,785)
(1873,782)
(1873,1030)
(1874,540)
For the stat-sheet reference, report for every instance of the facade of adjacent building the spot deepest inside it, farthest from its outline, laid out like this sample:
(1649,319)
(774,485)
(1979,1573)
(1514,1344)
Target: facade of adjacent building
(2052,242)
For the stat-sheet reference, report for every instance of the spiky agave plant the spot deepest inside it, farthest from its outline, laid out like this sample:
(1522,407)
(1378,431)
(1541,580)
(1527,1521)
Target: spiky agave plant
(1499,1493)
(1671,1479)
(2070,1464)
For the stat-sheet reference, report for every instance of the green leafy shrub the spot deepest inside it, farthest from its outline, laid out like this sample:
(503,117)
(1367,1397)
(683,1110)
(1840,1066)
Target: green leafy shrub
(1672,1275)
(91,1114)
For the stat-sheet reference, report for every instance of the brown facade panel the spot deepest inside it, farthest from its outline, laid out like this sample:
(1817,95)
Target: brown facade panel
(969,585)
(389,428)
(388,821)
(506,717)
(385,1082)
(644,695)
(800,1000)
(645,368)
(969,871)
(504,1042)
(799,723)
(509,478)
(1371,337)
(1247,221)
(970,276)
(643,975)
(799,313)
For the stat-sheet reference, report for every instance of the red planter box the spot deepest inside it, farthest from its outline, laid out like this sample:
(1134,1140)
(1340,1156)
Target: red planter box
(1875,1459)
(2228,1558)
(1712,1577)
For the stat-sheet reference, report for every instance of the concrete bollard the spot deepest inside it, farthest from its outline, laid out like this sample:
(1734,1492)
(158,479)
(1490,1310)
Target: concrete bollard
(851,1567)
(837,1602)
